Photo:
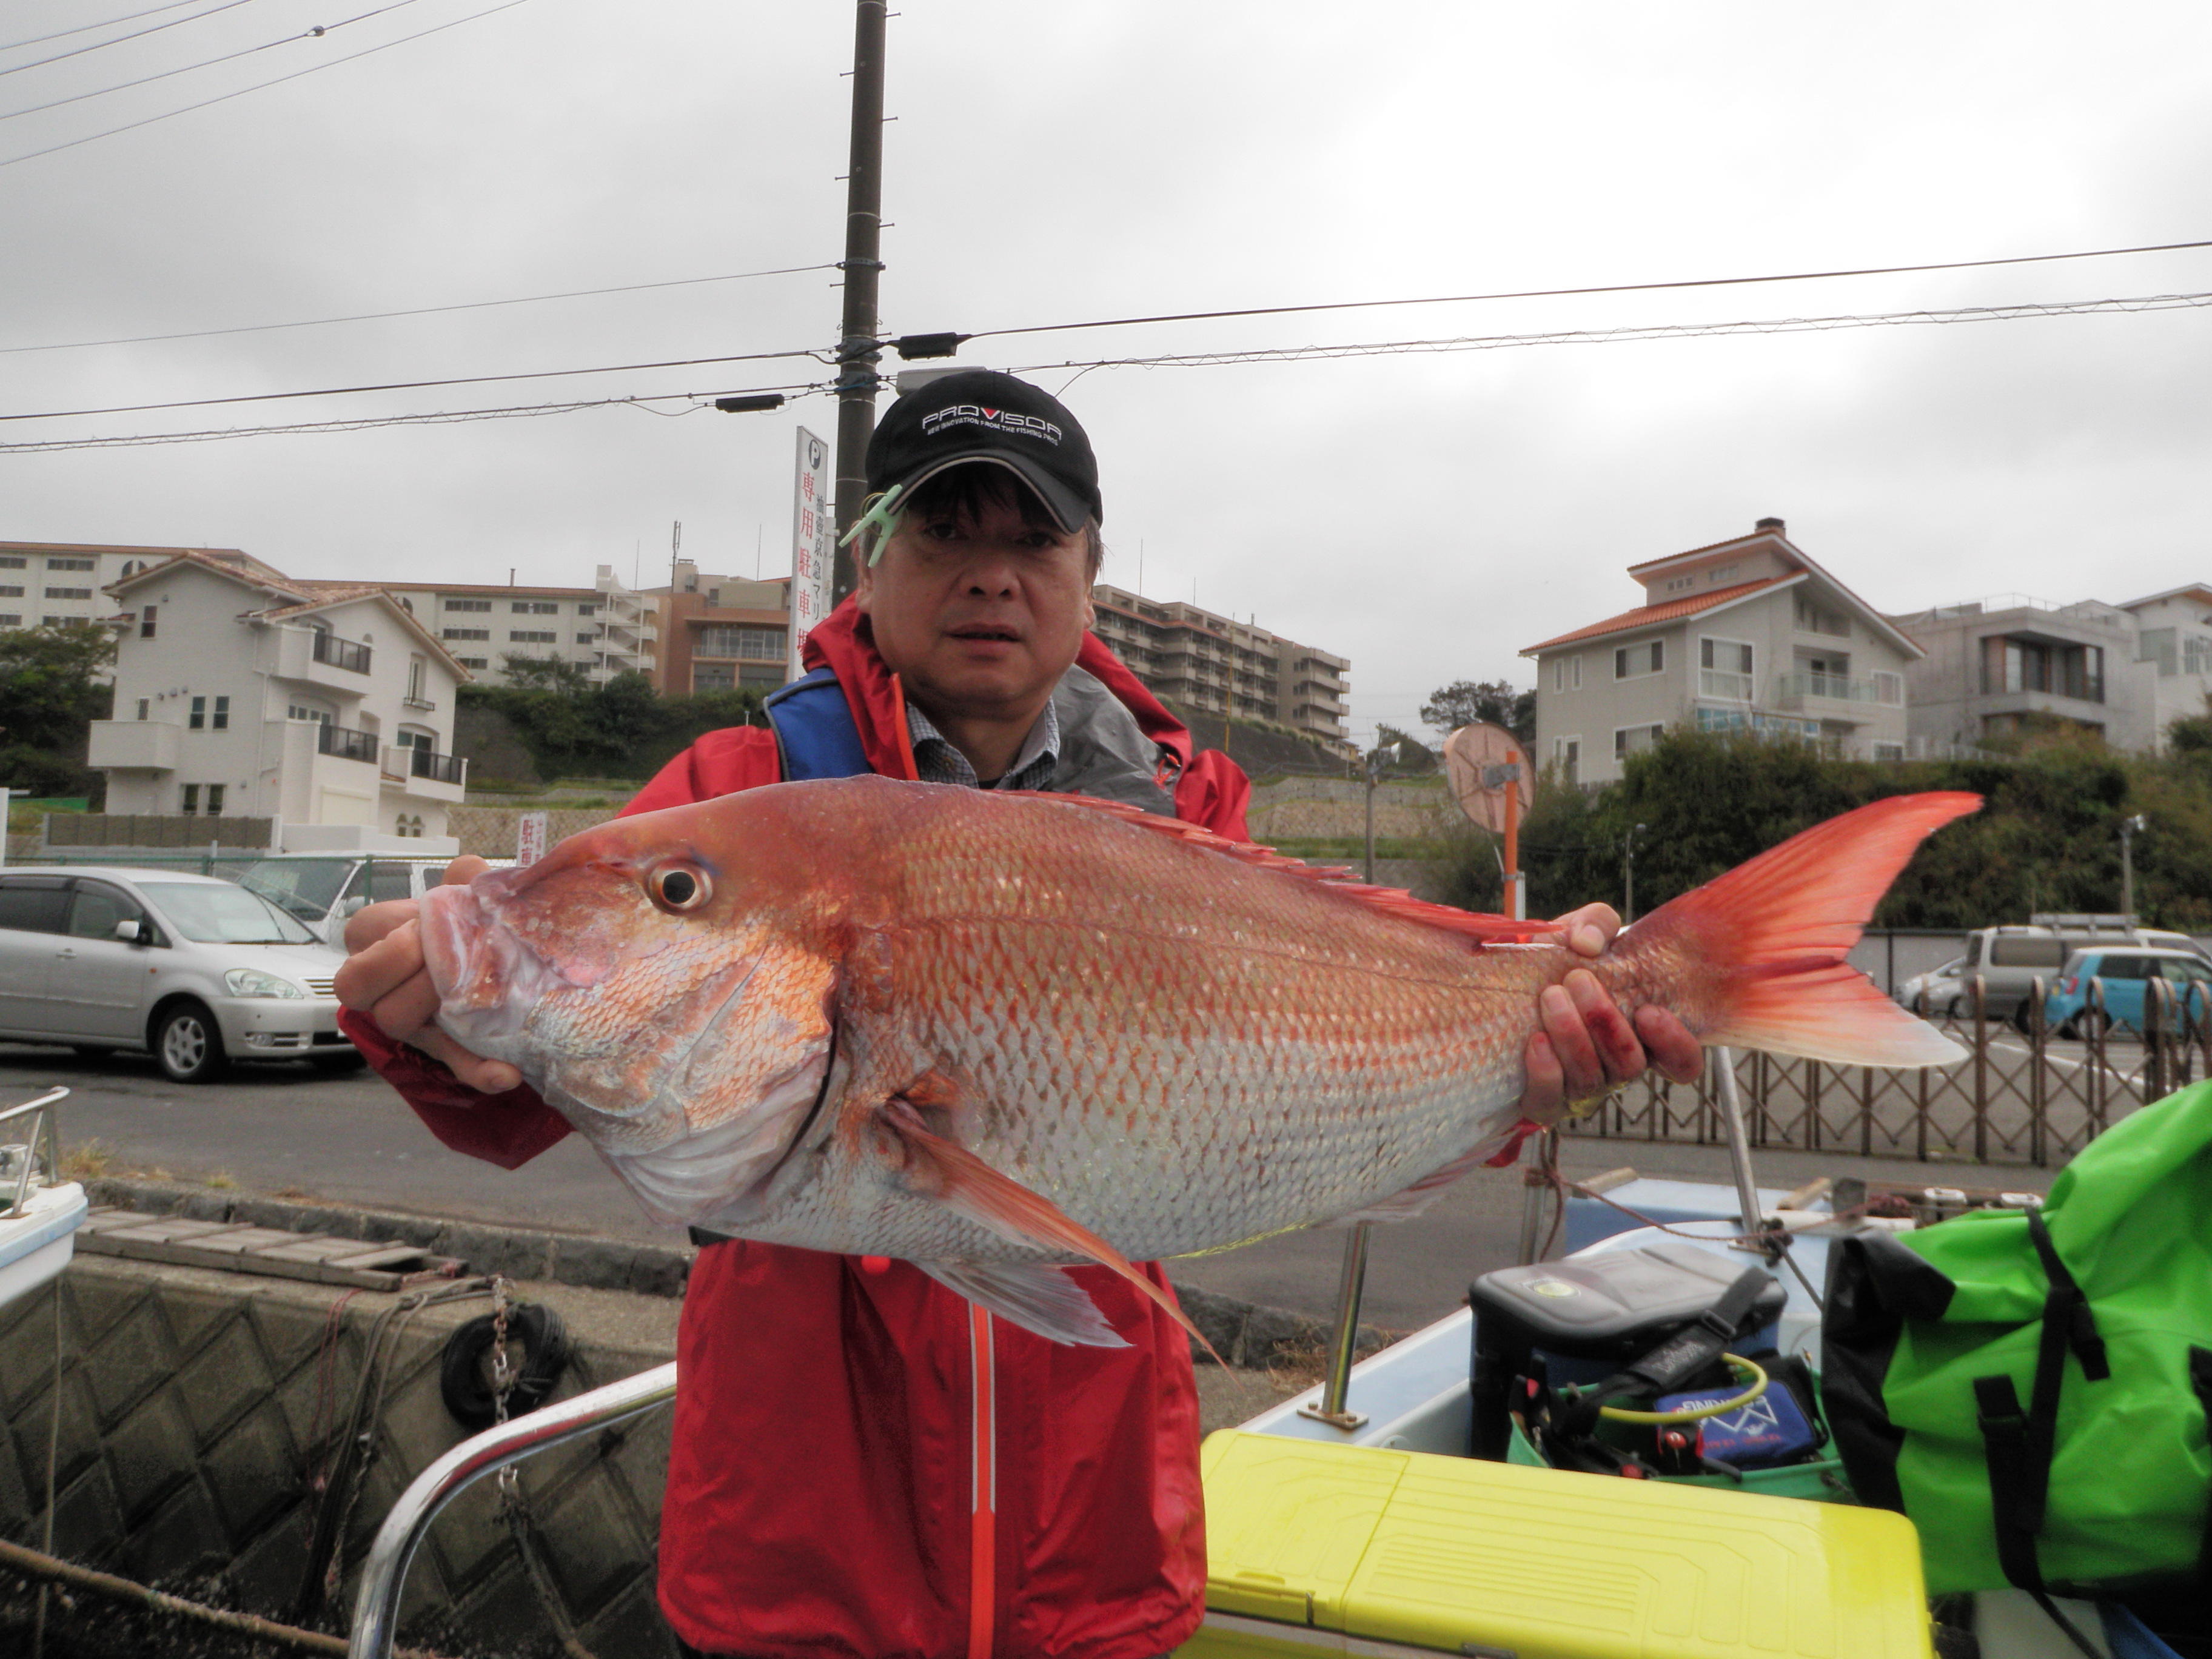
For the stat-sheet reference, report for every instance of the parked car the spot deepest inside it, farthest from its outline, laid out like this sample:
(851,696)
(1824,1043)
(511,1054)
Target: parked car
(2010,959)
(1945,988)
(198,971)
(2124,975)
(321,891)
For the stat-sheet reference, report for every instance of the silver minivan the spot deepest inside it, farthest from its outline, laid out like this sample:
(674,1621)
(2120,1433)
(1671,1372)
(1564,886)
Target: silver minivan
(198,970)
(2011,959)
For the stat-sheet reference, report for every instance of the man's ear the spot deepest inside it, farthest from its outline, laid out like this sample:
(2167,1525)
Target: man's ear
(864,579)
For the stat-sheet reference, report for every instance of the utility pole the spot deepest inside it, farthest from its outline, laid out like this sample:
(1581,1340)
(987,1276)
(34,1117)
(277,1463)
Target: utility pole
(2128,826)
(858,349)
(1383,755)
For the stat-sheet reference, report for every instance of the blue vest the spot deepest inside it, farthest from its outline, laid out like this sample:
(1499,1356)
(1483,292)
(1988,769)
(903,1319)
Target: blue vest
(815,734)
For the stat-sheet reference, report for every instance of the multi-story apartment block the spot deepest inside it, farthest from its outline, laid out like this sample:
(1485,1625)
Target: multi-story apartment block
(243,692)
(1997,667)
(1747,634)
(1218,665)
(605,629)
(44,583)
(721,631)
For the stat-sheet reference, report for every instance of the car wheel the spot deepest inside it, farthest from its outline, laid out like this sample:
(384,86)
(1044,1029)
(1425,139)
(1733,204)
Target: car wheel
(343,1060)
(189,1045)
(2089,1023)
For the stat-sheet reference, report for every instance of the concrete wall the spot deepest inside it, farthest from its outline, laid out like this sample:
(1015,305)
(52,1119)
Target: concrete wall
(197,1406)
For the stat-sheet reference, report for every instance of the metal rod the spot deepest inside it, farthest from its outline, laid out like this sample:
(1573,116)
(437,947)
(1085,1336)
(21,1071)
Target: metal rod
(384,1573)
(1338,1385)
(1747,1190)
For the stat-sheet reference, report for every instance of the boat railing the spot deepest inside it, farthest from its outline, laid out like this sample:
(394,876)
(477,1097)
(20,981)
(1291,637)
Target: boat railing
(384,1573)
(43,1124)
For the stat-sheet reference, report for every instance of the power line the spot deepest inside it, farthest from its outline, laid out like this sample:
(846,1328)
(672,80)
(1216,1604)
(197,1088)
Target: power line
(97,46)
(80,28)
(410,385)
(205,103)
(442,417)
(420,311)
(314,34)
(1650,332)
(1609,288)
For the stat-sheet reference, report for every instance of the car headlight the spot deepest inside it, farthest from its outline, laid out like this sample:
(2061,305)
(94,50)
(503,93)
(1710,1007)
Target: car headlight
(252,982)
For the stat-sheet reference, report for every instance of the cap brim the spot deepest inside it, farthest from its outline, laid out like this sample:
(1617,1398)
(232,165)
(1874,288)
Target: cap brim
(1069,510)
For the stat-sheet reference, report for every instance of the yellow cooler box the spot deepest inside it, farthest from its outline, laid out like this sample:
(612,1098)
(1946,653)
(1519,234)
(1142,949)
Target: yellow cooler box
(1317,1549)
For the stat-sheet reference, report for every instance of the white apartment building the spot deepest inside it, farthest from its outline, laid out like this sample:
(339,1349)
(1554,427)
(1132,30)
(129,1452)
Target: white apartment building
(48,583)
(1214,664)
(243,692)
(1744,635)
(606,629)
(2174,644)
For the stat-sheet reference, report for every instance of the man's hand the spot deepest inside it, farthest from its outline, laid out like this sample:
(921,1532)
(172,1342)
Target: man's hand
(1586,1045)
(384,978)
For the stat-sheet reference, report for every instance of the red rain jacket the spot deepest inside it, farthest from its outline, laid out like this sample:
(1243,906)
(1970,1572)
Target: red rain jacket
(863,1463)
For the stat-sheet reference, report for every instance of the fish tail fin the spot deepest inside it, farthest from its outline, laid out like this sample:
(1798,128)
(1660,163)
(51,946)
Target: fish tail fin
(1774,934)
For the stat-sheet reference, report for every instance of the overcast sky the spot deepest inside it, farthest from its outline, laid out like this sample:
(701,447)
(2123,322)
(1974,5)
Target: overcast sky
(1426,516)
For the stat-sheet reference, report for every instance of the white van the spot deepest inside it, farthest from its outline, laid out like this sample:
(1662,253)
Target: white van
(2010,959)
(321,891)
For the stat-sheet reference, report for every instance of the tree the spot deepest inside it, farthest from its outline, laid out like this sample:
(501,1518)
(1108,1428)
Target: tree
(545,673)
(50,688)
(1413,756)
(1463,702)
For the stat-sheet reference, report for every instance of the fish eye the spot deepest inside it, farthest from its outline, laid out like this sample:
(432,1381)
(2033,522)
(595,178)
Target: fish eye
(679,887)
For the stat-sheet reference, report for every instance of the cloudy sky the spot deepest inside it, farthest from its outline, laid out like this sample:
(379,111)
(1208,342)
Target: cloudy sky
(1426,515)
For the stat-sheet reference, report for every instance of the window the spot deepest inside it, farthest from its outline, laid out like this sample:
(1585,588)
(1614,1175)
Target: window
(587,611)
(197,719)
(1889,689)
(95,910)
(144,705)
(33,906)
(11,619)
(69,593)
(192,805)
(1681,583)
(467,634)
(1725,669)
(1719,575)
(1722,719)
(215,800)
(70,564)
(473,662)
(1575,673)
(1633,662)
(722,640)
(1634,739)
(12,591)
(1567,755)
(1889,751)
(534,608)
(713,677)
(146,623)
(2053,665)
(1559,673)
(1814,617)
(300,711)
(532,636)
(221,720)
(415,679)
(467,604)
(13,562)
(586,638)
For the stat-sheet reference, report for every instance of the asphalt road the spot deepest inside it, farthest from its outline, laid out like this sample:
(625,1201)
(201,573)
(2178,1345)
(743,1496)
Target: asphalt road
(285,1129)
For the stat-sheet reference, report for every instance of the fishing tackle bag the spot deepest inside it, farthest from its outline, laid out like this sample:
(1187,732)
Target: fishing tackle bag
(2034,1388)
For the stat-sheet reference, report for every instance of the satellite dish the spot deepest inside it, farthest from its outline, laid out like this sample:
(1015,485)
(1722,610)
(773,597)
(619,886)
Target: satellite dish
(1484,763)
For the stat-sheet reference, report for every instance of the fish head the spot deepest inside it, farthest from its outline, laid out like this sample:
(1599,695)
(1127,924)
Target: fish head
(658,981)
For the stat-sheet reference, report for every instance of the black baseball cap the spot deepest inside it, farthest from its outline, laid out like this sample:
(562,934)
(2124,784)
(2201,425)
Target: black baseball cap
(981,415)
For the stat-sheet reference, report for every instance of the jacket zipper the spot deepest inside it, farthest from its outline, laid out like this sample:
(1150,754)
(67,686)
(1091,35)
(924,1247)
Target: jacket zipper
(983,1488)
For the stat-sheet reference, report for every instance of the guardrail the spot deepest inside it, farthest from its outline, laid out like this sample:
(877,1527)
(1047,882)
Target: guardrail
(42,1124)
(344,743)
(333,652)
(384,1571)
(2022,1094)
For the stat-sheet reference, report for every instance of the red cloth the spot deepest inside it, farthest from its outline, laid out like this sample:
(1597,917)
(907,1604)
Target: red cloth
(824,1454)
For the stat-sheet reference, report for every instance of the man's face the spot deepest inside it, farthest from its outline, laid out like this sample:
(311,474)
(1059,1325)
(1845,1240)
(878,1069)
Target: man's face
(979,614)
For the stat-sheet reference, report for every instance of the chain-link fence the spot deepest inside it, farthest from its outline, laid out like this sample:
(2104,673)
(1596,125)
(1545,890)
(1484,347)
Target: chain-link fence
(2022,1094)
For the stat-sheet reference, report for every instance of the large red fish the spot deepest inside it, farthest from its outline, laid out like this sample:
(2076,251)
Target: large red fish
(992,1034)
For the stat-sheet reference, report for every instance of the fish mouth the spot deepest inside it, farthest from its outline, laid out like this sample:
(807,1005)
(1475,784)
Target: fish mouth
(486,979)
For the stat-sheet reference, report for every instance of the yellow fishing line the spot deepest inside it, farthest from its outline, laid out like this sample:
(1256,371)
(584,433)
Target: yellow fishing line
(1745,1372)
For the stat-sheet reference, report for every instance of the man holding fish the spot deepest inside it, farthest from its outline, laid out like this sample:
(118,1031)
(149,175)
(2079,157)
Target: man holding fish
(893,1456)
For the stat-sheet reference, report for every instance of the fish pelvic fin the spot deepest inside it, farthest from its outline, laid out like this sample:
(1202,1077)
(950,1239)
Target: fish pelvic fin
(1034,1295)
(1775,930)
(1390,900)
(947,1171)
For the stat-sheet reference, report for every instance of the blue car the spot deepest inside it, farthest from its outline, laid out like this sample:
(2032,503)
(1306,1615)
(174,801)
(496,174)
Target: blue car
(2124,975)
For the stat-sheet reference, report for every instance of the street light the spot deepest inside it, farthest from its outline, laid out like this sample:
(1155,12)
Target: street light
(2129,827)
(1376,759)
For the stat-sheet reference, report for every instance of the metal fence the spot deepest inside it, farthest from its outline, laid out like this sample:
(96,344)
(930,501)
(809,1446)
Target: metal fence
(2021,1095)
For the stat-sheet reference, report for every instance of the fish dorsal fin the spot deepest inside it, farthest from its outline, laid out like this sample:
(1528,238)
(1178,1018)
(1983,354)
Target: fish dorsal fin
(1390,900)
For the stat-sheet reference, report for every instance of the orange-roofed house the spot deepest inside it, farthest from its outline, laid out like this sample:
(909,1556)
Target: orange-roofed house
(1744,635)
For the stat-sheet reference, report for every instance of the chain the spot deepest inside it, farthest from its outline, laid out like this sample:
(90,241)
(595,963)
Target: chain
(513,1506)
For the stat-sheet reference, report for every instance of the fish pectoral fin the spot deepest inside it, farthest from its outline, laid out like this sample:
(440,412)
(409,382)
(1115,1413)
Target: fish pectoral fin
(947,1171)
(1034,1295)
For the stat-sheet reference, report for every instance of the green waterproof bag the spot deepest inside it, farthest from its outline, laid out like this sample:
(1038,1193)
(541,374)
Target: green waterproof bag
(2033,1390)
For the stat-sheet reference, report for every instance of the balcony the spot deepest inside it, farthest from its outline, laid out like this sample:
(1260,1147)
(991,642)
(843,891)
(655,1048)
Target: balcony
(411,701)
(343,743)
(425,772)
(310,657)
(134,746)
(335,652)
